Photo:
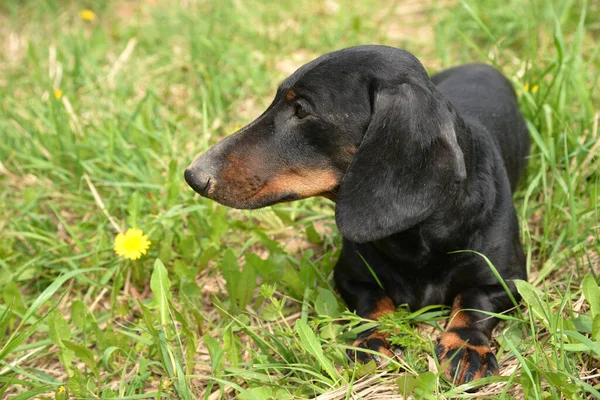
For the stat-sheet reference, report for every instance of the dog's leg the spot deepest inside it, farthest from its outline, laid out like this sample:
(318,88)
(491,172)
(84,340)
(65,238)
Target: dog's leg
(369,302)
(373,339)
(463,349)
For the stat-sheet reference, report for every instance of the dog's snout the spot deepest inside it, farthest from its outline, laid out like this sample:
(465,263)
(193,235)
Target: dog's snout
(199,180)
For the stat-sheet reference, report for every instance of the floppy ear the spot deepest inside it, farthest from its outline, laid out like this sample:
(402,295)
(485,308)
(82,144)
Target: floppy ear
(406,165)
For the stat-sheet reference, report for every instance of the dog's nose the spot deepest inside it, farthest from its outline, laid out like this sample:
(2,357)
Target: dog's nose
(199,180)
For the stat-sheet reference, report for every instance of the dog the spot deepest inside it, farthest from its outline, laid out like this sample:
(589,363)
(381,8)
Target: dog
(419,169)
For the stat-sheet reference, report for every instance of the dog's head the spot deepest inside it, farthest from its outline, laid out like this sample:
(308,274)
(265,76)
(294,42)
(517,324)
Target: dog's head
(363,126)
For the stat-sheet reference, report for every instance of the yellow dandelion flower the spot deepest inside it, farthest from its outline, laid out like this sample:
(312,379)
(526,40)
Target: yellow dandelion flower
(132,244)
(533,89)
(58,93)
(61,389)
(87,15)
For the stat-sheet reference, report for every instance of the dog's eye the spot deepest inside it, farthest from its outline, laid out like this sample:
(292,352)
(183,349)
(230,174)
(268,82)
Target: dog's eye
(300,112)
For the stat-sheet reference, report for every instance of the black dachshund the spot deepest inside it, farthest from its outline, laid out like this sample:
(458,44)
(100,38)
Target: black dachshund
(420,168)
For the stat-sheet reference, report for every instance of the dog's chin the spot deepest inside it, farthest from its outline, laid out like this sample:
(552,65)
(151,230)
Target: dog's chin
(240,203)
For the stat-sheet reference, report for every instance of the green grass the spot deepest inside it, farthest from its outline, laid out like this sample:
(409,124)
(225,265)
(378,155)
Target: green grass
(230,303)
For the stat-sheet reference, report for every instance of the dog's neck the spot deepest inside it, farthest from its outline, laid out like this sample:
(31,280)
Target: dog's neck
(407,247)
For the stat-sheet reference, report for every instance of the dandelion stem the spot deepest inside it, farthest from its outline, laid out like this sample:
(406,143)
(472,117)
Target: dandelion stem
(100,203)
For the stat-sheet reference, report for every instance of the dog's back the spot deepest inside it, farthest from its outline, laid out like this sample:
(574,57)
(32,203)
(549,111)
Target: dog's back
(484,97)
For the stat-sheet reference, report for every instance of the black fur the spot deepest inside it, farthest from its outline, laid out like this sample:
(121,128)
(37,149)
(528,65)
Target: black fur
(423,168)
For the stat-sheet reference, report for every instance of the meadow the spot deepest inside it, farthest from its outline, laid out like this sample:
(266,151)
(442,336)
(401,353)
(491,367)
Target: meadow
(104,103)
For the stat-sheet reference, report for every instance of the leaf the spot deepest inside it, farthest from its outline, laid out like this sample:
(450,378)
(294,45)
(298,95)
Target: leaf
(259,393)
(50,290)
(268,270)
(425,385)
(591,345)
(78,313)
(532,297)
(12,295)
(118,282)
(5,319)
(59,332)
(312,234)
(216,353)
(84,355)
(365,369)
(230,345)
(292,281)
(561,382)
(160,286)
(207,254)
(406,385)
(17,337)
(173,183)
(166,242)
(167,356)
(246,286)
(181,384)
(219,226)
(183,270)
(187,279)
(331,331)
(231,274)
(58,328)
(77,385)
(311,344)
(596,328)
(108,352)
(327,304)
(592,294)
(133,209)
(583,323)
(33,393)
(5,276)
(147,317)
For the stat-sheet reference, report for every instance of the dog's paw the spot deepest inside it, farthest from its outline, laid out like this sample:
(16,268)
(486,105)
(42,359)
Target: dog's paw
(371,340)
(465,356)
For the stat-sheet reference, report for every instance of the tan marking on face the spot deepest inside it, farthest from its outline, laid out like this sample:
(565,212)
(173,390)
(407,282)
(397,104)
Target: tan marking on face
(240,166)
(290,95)
(239,179)
(245,178)
(304,183)
(382,306)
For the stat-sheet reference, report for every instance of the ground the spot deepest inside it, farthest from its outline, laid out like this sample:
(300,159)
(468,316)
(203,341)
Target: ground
(103,104)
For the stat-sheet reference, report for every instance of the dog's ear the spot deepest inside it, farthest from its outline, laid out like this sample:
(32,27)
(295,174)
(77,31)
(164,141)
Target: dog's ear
(407,164)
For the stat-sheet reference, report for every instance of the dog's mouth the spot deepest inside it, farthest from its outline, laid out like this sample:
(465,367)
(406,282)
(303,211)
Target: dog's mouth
(264,196)
(252,180)
(252,192)
(204,191)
